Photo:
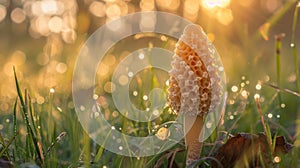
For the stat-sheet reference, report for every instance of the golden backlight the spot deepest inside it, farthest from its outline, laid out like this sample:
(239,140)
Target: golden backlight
(209,4)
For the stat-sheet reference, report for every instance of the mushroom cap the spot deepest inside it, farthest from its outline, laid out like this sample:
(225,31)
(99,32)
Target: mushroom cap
(195,80)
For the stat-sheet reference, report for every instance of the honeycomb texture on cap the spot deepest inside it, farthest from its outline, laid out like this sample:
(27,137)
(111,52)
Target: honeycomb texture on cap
(194,80)
(183,87)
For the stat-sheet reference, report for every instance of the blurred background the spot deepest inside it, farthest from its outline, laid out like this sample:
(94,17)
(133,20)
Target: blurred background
(42,39)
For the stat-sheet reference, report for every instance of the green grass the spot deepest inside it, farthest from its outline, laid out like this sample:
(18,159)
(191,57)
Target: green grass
(51,143)
(50,135)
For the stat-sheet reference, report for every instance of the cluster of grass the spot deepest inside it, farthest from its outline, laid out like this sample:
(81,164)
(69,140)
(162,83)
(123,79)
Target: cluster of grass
(50,136)
(39,139)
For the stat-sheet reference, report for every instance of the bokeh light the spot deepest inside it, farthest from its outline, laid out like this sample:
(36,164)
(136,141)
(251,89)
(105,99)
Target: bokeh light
(55,24)
(209,4)
(147,5)
(168,5)
(113,11)
(18,58)
(272,5)
(18,15)
(97,8)
(234,88)
(148,22)
(245,3)
(2,12)
(61,67)
(191,8)
(225,16)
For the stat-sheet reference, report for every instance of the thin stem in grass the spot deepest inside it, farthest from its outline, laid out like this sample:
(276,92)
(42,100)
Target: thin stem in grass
(50,123)
(282,90)
(15,117)
(31,115)
(16,151)
(101,149)
(86,150)
(58,139)
(5,146)
(266,128)
(293,45)
(278,39)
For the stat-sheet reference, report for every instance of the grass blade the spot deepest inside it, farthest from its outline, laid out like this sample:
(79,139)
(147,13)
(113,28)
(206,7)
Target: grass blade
(278,39)
(264,29)
(58,139)
(25,112)
(293,45)
(16,151)
(15,117)
(101,149)
(7,145)
(282,90)
(31,115)
(266,128)
(19,89)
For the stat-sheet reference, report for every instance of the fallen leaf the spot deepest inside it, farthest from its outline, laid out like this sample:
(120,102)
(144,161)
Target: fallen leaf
(248,150)
(5,163)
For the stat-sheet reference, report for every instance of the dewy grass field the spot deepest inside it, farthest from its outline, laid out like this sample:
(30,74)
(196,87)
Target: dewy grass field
(257,40)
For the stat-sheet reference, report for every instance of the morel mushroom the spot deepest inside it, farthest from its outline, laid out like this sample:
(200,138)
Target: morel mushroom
(195,85)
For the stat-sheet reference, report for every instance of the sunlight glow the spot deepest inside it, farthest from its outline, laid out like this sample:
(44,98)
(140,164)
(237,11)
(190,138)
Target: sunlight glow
(40,25)
(246,3)
(277,159)
(52,90)
(258,86)
(113,11)
(109,87)
(145,97)
(163,133)
(2,12)
(167,82)
(234,88)
(270,115)
(130,74)
(209,4)
(61,67)
(190,9)
(169,5)
(244,93)
(97,8)
(55,24)
(147,23)
(272,5)
(225,16)
(123,80)
(256,96)
(18,58)
(40,100)
(135,93)
(147,5)
(49,7)
(103,69)
(18,15)
(141,56)
(292,45)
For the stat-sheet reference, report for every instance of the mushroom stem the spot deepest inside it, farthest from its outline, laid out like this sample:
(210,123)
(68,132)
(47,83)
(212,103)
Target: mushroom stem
(192,127)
